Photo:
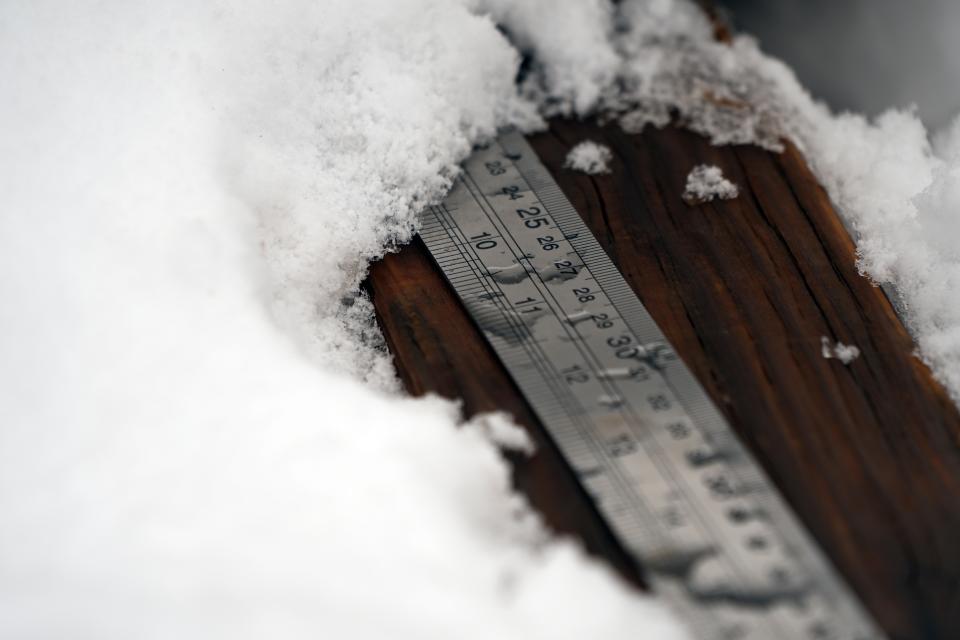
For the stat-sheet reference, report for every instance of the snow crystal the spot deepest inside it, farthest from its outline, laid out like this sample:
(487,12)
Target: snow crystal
(589,157)
(706,182)
(845,353)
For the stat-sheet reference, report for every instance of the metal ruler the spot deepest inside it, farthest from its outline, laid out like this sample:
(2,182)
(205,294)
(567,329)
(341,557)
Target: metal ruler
(664,468)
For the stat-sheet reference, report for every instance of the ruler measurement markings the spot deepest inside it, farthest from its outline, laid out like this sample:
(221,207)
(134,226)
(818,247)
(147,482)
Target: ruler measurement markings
(646,437)
(603,268)
(531,360)
(618,286)
(571,330)
(620,316)
(505,317)
(622,288)
(628,488)
(540,362)
(657,462)
(563,394)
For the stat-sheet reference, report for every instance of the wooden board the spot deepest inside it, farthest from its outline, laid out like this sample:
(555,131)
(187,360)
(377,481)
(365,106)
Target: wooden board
(868,454)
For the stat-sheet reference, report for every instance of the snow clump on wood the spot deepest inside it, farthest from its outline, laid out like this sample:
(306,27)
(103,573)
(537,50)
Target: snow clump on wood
(845,353)
(706,182)
(589,157)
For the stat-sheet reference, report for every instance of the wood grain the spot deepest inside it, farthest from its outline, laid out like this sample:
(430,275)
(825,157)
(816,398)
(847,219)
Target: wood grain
(868,454)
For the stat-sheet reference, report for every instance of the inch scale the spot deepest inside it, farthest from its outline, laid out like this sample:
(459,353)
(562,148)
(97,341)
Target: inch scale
(664,468)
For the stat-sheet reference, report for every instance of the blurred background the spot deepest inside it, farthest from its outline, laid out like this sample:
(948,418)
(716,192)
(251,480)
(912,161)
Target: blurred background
(864,55)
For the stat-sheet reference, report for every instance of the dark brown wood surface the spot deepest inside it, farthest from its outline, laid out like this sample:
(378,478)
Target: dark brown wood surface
(868,454)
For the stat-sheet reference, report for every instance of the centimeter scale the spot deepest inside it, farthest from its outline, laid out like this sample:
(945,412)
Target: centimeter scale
(662,465)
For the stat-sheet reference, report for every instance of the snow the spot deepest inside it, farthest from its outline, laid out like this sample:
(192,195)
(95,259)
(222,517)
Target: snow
(499,429)
(203,436)
(589,157)
(705,183)
(671,67)
(573,55)
(897,191)
(845,353)
(899,196)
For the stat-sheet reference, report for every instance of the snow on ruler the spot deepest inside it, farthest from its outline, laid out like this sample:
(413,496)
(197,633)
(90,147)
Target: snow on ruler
(202,436)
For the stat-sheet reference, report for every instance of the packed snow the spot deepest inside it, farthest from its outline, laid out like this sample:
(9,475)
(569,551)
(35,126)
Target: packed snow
(589,157)
(845,353)
(705,182)
(202,433)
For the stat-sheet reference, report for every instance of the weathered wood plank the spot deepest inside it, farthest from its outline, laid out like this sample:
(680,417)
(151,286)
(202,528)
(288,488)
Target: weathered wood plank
(868,454)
